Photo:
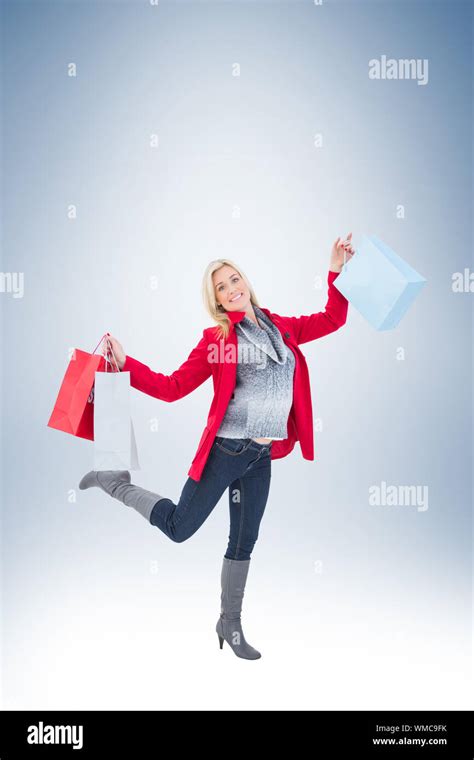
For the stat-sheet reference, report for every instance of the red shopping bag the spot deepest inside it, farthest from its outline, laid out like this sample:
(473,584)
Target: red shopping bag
(74,408)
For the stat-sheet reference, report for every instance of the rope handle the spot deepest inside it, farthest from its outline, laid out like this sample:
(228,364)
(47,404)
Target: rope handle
(100,341)
(109,349)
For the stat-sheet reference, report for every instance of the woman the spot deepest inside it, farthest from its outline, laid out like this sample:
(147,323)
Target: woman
(261,407)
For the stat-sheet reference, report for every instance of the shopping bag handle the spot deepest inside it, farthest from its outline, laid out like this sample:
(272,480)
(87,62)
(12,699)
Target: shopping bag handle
(111,351)
(100,341)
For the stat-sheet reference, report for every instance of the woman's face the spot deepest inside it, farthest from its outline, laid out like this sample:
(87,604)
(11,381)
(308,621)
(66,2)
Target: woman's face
(230,289)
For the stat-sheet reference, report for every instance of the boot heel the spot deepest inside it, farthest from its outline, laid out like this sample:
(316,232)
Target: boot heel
(221,640)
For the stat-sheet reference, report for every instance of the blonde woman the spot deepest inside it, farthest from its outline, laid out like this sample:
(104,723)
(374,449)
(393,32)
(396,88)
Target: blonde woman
(261,407)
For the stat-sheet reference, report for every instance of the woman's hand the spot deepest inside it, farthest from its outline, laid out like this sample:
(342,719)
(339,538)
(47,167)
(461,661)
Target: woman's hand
(337,253)
(111,344)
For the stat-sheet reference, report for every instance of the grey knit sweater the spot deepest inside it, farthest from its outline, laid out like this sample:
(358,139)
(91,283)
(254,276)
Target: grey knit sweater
(263,393)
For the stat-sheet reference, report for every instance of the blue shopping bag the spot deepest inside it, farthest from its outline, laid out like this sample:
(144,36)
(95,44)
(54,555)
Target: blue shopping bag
(380,284)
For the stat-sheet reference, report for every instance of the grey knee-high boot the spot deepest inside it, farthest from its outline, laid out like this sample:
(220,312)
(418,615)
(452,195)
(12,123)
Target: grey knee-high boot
(229,628)
(117,484)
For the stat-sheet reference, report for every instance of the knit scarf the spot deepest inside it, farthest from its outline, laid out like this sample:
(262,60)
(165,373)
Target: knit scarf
(267,338)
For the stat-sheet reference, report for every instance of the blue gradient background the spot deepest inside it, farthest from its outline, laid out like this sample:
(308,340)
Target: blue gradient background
(353,606)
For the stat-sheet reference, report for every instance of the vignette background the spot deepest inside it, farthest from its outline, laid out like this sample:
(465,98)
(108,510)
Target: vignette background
(119,185)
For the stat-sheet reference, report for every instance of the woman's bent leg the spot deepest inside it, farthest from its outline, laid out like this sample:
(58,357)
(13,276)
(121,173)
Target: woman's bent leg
(198,498)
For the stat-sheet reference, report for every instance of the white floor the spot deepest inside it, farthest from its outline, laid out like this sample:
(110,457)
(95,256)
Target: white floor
(152,646)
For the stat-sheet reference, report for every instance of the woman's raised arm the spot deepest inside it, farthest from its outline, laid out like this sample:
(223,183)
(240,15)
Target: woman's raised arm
(313,326)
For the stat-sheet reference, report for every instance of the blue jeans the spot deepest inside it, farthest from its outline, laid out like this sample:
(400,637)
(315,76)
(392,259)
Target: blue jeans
(243,466)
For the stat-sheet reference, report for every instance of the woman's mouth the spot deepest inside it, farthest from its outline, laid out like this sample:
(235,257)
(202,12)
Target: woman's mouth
(236,298)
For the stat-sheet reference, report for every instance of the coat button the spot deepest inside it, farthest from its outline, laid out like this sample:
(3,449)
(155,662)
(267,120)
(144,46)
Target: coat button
(287,335)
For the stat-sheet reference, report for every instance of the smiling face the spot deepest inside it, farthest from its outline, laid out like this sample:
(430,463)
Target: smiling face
(230,289)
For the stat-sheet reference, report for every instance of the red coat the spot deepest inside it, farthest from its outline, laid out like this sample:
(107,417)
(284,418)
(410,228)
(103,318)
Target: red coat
(201,364)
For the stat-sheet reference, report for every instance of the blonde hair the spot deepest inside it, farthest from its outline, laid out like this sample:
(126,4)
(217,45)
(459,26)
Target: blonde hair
(216,311)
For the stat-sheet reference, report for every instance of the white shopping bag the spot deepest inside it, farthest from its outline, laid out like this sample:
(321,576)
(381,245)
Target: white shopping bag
(115,446)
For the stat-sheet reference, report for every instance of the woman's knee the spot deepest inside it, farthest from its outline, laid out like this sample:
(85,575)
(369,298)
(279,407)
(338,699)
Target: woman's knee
(180,533)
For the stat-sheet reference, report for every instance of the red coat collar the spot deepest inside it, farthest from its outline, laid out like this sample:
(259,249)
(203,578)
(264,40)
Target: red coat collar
(237,316)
